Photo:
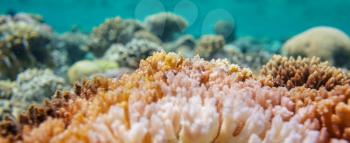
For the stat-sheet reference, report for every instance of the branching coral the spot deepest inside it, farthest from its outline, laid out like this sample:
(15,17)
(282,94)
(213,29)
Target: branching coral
(307,72)
(210,46)
(165,25)
(113,31)
(132,53)
(328,43)
(23,45)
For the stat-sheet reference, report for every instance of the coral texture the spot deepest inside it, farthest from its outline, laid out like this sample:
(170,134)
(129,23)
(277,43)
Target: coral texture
(307,72)
(328,43)
(165,25)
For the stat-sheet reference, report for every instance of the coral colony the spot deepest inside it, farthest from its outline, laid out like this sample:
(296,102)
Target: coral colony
(131,81)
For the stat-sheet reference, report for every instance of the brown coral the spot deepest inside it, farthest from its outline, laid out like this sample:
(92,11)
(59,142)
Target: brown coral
(307,72)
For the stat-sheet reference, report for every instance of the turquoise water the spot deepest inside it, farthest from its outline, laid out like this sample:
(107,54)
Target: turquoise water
(278,19)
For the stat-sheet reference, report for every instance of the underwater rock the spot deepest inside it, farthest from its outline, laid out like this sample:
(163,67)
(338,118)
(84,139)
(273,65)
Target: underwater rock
(306,72)
(328,43)
(226,29)
(170,98)
(112,31)
(130,55)
(165,25)
(23,45)
(85,68)
(209,46)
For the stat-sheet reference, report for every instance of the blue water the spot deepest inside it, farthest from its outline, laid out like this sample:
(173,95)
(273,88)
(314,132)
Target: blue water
(278,19)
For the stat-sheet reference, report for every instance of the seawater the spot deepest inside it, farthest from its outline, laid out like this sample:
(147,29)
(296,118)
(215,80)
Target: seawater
(278,19)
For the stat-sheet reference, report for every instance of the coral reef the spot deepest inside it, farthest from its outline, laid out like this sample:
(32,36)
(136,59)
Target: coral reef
(165,25)
(31,87)
(131,54)
(23,44)
(85,68)
(210,46)
(307,72)
(173,99)
(130,87)
(112,31)
(226,29)
(330,44)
